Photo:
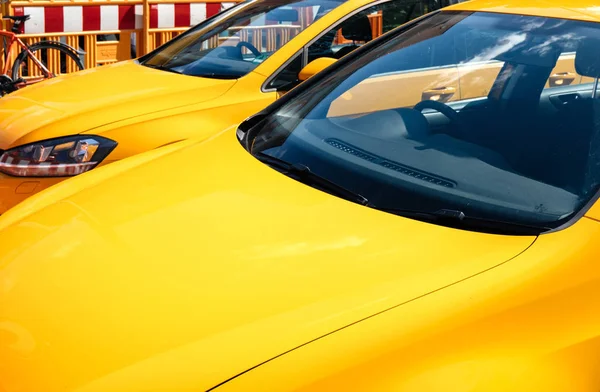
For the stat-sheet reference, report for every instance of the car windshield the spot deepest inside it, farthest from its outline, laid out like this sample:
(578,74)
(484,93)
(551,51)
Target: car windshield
(239,40)
(477,120)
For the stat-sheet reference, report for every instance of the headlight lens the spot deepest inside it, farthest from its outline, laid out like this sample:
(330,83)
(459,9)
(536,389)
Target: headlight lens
(68,156)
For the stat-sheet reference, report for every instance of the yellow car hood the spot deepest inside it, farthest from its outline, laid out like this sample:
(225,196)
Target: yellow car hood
(182,272)
(85,100)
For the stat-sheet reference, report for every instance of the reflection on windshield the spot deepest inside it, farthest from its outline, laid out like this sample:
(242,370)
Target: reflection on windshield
(491,116)
(240,41)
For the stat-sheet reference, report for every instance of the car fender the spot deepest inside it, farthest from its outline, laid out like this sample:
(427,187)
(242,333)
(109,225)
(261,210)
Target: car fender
(64,189)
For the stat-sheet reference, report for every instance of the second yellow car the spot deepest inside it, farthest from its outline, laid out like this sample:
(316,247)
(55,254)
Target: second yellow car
(217,73)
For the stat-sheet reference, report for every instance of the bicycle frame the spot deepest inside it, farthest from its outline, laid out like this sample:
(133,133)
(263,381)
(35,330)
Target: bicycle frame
(12,40)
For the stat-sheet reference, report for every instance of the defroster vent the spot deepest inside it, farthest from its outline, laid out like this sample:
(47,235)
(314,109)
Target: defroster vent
(398,167)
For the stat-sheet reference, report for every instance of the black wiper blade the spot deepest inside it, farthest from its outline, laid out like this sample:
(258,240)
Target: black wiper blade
(456,218)
(162,68)
(303,174)
(214,75)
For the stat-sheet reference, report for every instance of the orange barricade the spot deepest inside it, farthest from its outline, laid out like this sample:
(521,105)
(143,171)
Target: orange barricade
(107,31)
(376,24)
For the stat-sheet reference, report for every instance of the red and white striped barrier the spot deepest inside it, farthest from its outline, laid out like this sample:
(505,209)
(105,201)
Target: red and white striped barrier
(76,19)
(183,15)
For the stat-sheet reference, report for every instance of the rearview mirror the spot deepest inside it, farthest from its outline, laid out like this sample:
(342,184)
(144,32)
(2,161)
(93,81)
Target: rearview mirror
(314,67)
(283,15)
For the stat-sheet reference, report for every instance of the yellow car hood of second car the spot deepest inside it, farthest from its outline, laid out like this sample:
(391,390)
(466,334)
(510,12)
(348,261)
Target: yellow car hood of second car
(193,267)
(80,102)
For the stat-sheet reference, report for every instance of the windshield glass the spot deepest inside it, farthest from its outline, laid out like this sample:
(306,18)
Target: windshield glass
(237,43)
(489,116)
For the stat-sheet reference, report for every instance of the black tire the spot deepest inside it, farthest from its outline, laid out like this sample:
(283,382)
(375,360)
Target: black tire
(20,70)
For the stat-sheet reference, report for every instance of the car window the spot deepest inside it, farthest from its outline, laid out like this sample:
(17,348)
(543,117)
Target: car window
(399,127)
(287,77)
(355,31)
(235,45)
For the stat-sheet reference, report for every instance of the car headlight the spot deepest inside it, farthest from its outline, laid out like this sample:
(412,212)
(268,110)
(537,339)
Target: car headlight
(63,157)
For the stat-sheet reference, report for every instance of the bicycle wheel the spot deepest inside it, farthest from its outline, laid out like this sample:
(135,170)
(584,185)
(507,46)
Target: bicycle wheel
(42,51)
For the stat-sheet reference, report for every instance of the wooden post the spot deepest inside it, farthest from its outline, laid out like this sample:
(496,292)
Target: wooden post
(72,41)
(91,51)
(146,27)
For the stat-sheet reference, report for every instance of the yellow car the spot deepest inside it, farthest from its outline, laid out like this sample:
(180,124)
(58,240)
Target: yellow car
(221,71)
(325,245)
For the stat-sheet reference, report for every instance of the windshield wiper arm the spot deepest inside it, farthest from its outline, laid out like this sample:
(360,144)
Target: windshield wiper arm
(456,218)
(162,68)
(303,174)
(215,75)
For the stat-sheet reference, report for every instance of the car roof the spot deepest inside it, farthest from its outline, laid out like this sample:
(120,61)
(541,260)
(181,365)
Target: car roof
(585,10)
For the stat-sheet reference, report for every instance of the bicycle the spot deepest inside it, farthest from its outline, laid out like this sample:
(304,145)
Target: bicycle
(35,55)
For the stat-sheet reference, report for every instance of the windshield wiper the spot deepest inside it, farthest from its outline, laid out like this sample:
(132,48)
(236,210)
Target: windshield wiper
(162,68)
(458,219)
(215,75)
(303,174)
(446,217)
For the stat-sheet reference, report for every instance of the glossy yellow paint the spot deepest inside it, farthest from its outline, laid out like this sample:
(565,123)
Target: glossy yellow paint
(139,107)
(15,189)
(167,294)
(194,288)
(194,266)
(530,324)
(585,10)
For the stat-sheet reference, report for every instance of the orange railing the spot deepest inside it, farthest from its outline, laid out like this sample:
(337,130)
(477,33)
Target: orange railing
(106,30)
(114,30)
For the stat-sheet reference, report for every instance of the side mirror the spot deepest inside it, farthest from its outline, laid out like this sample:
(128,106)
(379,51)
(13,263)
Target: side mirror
(314,67)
